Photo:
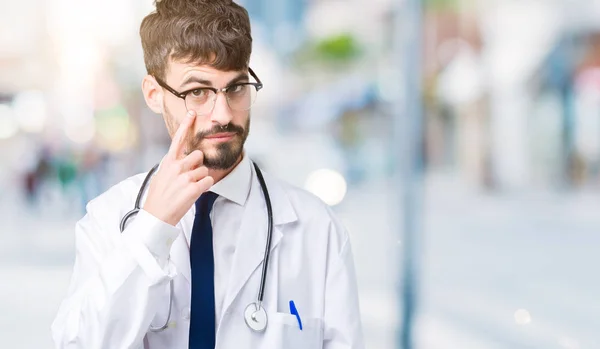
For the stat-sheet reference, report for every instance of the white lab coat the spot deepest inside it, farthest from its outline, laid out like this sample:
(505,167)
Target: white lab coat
(119,287)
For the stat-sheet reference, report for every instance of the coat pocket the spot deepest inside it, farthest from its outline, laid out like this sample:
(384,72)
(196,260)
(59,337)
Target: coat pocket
(292,337)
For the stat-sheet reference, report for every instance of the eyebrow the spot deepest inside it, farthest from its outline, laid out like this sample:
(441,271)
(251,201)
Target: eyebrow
(239,78)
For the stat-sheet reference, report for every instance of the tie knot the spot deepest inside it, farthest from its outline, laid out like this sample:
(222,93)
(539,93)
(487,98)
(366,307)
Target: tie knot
(205,203)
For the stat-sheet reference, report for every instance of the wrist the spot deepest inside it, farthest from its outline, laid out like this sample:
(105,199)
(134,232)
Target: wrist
(156,234)
(150,209)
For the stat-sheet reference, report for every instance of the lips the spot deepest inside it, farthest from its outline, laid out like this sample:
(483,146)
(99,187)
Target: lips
(221,136)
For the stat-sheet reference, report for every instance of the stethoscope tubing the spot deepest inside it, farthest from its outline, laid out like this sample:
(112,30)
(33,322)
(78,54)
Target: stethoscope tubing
(263,277)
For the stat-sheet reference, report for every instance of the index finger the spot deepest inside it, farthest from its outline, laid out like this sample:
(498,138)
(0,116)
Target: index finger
(176,149)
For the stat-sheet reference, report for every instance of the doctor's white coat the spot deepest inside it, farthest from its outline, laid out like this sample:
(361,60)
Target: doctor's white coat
(119,288)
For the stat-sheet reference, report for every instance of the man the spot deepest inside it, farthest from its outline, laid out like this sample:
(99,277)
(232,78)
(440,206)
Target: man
(184,270)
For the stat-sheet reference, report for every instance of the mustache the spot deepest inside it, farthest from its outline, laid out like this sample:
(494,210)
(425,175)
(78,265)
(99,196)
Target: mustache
(229,128)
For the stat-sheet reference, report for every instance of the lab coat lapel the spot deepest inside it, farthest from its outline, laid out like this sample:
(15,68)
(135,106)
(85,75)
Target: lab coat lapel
(251,243)
(250,247)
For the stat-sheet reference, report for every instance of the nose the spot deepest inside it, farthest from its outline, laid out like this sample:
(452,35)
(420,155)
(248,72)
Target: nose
(221,113)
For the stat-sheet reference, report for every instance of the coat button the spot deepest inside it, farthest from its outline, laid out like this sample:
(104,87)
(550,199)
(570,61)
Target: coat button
(185,313)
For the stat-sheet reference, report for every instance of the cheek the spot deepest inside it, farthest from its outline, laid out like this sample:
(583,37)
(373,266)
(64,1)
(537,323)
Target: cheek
(171,125)
(175,112)
(240,118)
(175,107)
(171,122)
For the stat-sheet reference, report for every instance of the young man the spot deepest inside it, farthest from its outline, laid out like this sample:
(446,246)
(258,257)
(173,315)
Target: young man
(187,270)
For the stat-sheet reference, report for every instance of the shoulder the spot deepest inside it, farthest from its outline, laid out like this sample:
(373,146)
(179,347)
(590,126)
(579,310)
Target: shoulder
(99,227)
(314,217)
(303,201)
(118,199)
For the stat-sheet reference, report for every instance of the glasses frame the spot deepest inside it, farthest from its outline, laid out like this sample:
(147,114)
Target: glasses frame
(258,85)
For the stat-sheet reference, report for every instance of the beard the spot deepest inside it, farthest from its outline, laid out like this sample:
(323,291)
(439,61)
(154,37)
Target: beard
(223,155)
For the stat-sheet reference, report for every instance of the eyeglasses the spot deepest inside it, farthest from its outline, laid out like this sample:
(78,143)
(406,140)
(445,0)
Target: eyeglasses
(240,96)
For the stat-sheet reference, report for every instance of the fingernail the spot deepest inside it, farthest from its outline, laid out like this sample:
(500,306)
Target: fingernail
(190,113)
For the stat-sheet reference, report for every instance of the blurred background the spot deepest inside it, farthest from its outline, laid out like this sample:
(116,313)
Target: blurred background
(458,140)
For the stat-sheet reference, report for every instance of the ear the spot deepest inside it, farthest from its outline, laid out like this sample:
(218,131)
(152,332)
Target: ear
(153,94)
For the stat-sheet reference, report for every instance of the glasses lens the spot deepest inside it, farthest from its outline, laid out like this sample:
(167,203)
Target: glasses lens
(201,101)
(241,97)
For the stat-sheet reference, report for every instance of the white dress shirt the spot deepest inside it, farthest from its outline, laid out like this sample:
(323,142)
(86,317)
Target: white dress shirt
(226,218)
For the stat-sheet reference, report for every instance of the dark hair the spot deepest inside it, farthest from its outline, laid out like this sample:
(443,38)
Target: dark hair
(214,32)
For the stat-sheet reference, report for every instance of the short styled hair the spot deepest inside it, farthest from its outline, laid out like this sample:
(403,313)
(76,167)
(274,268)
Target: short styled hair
(213,32)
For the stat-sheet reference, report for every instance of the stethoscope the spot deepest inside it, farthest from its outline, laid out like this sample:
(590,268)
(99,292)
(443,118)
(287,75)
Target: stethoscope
(254,315)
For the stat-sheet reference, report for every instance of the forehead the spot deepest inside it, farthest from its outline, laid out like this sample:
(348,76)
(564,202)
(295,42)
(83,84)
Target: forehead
(178,71)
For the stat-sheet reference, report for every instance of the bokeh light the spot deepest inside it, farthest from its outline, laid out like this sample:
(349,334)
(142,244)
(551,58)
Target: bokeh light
(81,132)
(30,111)
(8,125)
(329,185)
(522,317)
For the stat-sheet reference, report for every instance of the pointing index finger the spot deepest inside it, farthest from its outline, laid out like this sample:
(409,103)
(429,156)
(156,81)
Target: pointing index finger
(177,144)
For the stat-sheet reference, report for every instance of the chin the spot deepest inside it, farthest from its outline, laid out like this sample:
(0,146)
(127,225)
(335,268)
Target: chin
(222,159)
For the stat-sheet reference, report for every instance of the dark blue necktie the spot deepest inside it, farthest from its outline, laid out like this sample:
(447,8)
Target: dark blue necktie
(202,317)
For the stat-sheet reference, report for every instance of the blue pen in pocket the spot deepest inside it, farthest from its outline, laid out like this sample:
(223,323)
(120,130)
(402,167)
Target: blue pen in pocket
(294,311)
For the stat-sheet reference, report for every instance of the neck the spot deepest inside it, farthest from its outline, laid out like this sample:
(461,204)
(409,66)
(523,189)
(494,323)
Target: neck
(217,175)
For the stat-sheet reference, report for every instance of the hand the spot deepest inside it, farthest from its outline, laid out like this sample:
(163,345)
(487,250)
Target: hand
(180,179)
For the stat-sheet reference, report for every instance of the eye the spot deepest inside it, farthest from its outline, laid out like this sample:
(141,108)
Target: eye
(198,93)
(236,89)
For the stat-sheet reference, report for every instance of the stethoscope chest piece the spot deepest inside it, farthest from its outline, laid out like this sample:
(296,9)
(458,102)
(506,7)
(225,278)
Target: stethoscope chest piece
(256,317)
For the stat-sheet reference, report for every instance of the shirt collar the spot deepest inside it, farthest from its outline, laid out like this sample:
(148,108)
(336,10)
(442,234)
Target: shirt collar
(236,185)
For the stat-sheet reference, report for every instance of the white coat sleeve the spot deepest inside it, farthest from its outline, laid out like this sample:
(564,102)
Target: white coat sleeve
(343,326)
(117,282)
